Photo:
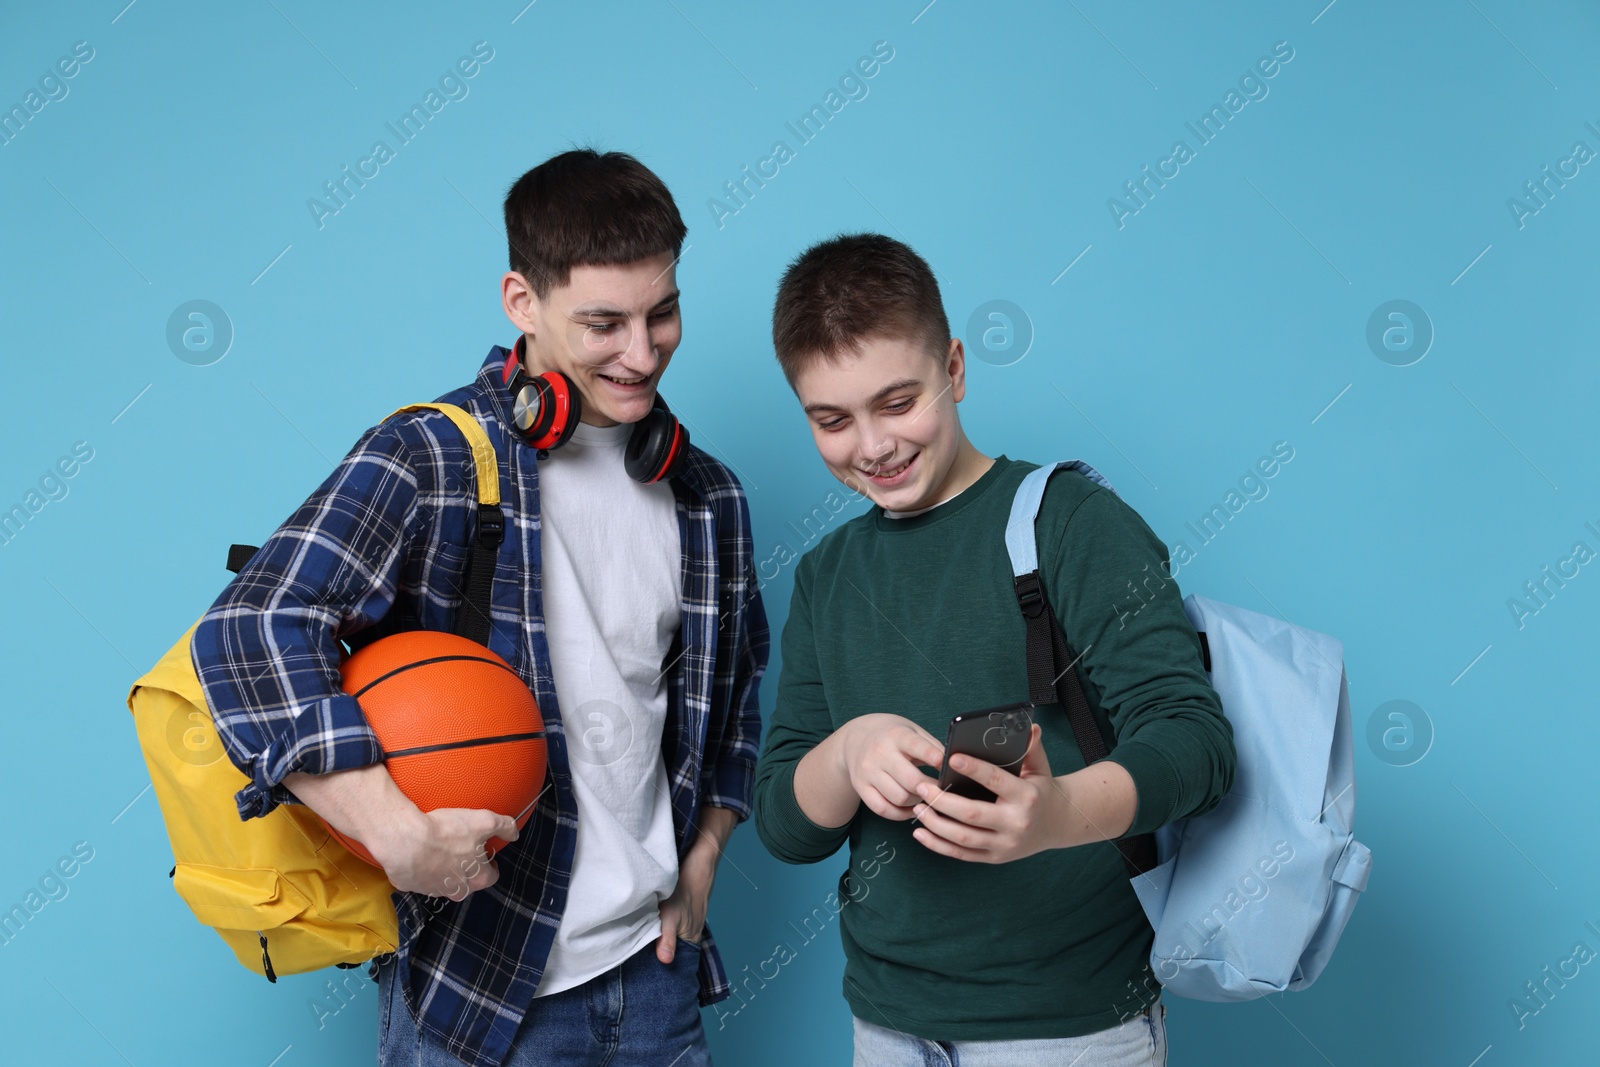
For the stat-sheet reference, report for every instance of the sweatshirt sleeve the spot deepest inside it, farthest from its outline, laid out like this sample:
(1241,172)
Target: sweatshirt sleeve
(799,723)
(1105,573)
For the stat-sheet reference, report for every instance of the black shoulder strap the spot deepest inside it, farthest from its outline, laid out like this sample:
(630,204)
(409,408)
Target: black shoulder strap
(472,620)
(1052,676)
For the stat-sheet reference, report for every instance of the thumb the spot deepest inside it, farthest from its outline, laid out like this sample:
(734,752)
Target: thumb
(667,943)
(1035,762)
(489,824)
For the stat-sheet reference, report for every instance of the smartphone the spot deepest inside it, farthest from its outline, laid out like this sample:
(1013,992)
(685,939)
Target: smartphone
(996,735)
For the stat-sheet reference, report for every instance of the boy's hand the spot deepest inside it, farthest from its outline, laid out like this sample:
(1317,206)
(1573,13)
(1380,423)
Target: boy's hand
(683,913)
(1025,817)
(439,853)
(442,853)
(881,754)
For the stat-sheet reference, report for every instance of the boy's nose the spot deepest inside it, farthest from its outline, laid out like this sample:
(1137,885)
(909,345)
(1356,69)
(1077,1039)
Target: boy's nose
(878,454)
(641,357)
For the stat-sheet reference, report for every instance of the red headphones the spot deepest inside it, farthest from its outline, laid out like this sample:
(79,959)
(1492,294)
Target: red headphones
(546,408)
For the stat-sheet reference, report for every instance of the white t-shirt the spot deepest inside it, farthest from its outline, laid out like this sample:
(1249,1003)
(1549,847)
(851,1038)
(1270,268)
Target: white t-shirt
(612,606)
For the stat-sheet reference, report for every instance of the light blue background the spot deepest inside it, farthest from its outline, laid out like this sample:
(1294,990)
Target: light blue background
(1228,314)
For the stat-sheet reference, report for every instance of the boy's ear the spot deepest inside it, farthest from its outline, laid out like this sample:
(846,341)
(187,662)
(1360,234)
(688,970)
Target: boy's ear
(955,365)
(519,301)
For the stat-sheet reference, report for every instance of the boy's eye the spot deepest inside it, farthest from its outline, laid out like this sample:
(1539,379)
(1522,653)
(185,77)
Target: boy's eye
(600,327)
(665,313)
(899,406)
(831,424)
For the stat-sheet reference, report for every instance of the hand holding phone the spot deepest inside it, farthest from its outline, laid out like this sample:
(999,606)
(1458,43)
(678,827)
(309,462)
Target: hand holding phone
(996,735)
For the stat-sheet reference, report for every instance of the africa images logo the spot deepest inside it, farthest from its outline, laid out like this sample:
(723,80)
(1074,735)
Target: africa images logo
(1252,88)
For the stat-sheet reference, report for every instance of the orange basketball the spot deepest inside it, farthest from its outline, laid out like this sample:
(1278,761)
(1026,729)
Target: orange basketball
(459,728)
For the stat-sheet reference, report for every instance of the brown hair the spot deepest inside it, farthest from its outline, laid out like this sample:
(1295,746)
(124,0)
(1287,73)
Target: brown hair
(851,287)
(587,208)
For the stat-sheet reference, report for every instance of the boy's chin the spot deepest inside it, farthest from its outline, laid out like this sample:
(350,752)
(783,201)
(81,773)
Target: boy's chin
(619,410)
(887,499)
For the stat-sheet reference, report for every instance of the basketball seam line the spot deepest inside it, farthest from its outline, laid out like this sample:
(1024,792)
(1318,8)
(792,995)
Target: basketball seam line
(468,743)
(425,662)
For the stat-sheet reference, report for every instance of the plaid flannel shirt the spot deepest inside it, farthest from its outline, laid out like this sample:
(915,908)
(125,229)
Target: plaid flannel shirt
(390,531)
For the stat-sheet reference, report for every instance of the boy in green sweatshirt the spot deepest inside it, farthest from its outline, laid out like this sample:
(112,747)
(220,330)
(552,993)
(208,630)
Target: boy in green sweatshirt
(1001,931)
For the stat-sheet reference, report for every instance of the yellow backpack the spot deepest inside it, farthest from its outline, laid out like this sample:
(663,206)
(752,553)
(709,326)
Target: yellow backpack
(283,893)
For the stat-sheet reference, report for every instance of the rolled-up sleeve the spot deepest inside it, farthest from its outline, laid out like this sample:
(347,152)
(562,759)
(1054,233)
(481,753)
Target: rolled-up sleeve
(267,652)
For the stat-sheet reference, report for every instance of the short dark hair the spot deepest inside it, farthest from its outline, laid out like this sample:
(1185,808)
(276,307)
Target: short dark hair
(588,208)
(852,287)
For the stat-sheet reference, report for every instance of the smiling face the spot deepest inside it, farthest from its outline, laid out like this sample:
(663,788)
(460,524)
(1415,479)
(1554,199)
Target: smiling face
(610,329)
(884,421)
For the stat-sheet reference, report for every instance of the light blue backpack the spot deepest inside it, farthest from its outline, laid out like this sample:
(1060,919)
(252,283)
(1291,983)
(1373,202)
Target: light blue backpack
(1251,897)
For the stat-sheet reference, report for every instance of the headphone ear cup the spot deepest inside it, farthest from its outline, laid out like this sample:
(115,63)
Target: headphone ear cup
(532,408)
(655,447)
(567,409)
(545,408)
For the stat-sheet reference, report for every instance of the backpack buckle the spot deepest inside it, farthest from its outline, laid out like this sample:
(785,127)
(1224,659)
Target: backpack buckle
(491,525)
(1030,594)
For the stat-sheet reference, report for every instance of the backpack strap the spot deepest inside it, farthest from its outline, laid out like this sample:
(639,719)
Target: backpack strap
(1052,666)
(472,621)
(1046,644)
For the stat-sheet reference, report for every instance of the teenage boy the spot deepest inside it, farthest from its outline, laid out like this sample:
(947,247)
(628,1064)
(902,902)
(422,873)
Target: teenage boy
(1001,932)
(629,608)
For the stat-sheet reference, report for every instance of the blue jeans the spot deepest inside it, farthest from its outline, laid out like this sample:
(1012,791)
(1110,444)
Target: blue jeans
(641,1013)
(1139,1042)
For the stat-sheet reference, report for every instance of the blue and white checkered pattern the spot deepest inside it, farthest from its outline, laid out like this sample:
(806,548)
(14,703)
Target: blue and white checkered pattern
(389,530)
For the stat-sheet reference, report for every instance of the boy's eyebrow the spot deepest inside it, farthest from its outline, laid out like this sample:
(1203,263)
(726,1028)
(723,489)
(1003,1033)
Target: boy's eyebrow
(606,311)
(903,383)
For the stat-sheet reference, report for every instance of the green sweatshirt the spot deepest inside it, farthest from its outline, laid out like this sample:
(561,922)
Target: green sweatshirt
(916,617)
